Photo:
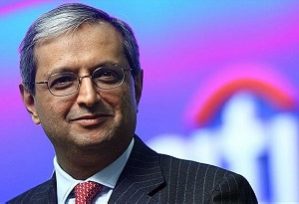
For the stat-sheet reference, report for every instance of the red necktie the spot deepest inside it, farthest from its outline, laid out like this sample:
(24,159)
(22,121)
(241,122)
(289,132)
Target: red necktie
(85,192)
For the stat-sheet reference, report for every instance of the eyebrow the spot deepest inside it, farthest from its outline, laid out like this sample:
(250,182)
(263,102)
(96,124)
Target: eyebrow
(64,69)
(60,70)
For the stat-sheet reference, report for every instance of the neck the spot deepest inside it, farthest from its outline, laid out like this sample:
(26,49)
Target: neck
(82,163)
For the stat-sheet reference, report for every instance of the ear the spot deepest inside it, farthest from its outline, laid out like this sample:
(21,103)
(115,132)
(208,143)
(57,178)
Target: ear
(29,102)
(138,85)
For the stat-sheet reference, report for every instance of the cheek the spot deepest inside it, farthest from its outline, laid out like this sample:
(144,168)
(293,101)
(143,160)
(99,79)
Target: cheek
(52,115)
(122,101)
(52,111)
(127,101)
(128,107)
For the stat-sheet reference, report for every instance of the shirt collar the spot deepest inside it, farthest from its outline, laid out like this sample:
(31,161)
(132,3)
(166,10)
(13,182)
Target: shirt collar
(107,176)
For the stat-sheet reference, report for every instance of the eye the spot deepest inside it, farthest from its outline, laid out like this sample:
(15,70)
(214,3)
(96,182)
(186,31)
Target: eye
(107,75)
(62,81)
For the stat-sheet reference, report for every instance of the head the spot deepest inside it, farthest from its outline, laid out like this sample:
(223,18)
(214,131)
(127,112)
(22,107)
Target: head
(66,19)
(78,39)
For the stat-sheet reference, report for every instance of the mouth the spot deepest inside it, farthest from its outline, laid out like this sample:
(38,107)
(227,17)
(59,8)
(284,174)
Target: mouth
(91,120)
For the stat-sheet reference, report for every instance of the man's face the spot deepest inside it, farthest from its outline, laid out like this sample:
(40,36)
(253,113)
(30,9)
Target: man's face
(90,118)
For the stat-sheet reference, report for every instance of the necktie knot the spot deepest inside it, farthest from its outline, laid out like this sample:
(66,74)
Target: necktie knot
(85,192)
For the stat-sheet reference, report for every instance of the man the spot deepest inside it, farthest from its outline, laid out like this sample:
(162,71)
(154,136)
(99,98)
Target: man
(82,82)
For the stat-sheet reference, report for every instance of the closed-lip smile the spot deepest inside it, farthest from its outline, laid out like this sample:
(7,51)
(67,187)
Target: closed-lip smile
(90,119)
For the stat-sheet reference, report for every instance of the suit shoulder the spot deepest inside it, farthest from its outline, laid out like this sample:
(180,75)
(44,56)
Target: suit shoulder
(211,182)
(198,171)
(183,164)
(36,194)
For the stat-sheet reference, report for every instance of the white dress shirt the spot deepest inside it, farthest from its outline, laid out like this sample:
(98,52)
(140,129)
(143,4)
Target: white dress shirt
(107,177)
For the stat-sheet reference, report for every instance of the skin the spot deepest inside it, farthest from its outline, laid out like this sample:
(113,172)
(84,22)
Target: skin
(88,130)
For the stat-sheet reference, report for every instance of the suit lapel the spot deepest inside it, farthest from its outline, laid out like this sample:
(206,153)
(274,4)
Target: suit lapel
(141,178)
(45,193)
(52,190)
(49,194)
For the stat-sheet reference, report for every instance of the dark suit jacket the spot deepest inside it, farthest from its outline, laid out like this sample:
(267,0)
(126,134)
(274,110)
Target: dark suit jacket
(149,177)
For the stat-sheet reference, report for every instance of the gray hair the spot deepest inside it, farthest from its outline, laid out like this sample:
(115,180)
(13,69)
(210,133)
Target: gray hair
(67,18)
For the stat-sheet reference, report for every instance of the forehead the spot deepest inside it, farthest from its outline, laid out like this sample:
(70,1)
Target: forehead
(88,44)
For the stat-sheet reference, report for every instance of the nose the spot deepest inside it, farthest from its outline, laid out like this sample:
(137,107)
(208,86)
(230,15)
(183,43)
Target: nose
(87,95)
